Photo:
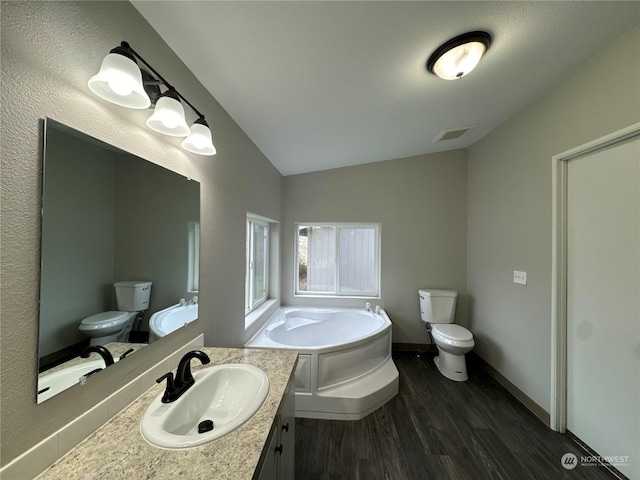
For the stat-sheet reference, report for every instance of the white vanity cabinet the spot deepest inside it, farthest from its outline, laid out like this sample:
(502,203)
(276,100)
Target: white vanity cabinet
(279,453)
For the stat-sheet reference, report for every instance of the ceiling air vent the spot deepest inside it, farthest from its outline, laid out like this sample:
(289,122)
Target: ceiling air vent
(453,133)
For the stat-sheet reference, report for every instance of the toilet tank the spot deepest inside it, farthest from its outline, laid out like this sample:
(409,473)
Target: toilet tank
(437,306)
(132,296)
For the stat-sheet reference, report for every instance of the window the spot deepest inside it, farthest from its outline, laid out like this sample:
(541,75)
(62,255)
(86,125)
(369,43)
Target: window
(257,270)
(194,256)
(338,259)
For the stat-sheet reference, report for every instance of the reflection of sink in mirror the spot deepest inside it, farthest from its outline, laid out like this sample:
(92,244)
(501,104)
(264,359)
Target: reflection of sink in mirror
(71,368)
(170,319)
(222,399)
(53,383)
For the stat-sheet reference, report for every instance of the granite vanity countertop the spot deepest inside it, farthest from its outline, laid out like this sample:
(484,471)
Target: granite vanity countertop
(118,451)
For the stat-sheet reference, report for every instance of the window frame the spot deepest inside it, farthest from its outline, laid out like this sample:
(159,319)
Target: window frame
(377,227)
(249,303)
(193,269)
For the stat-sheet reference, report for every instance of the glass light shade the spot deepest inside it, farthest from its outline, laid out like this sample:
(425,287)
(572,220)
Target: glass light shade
(199,141)
(459,61)
(119,81)
(168,117)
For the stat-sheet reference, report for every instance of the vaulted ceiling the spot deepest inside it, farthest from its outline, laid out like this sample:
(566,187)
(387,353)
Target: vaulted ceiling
(319,85)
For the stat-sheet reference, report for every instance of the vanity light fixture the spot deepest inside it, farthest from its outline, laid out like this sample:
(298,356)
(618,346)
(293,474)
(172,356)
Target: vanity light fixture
(460,55)
(121,81)
(200,139)
(168,116)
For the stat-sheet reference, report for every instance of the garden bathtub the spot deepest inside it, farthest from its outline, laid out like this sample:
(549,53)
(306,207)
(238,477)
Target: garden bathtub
(345,370)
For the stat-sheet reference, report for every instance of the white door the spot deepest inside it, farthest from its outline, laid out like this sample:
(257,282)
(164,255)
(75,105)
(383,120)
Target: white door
(603,303)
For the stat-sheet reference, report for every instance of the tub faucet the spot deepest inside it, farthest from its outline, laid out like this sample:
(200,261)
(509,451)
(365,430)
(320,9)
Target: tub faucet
(193,301)
(83,378)
(125,354)
(184,379)
(99,349)
(367,306)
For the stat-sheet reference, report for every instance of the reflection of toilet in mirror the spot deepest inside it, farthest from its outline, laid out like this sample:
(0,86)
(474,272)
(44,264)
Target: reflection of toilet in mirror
(132,298)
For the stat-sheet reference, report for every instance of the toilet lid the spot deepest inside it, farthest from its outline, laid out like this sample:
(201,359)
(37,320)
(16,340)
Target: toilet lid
(105,319)
(452,331)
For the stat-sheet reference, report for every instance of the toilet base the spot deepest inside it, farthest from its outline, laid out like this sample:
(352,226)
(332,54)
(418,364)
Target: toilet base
(454,367)
(121,336)
(103,340)
(99,336)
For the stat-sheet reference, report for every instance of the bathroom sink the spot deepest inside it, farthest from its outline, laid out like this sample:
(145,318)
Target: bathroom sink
(222,399)
(53,383)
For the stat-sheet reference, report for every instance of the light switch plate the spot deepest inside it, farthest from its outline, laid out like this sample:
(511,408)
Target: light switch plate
(519,277)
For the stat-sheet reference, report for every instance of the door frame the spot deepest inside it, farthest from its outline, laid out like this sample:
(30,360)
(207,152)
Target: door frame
(559,164)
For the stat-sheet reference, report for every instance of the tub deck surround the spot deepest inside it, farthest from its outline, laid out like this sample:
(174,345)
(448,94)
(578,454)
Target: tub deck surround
(170,319)
(345,370)
(118,451)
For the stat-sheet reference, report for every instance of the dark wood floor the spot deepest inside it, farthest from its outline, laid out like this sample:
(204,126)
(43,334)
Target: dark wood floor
(438,429)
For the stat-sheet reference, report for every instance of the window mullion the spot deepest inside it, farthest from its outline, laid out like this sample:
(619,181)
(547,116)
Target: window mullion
(336,281)
(249,281)
(253,265)
(265,280)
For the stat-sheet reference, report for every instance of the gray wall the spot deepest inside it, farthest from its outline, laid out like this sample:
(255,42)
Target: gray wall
(509,209)
(49,51)
(153,207)
(421,204)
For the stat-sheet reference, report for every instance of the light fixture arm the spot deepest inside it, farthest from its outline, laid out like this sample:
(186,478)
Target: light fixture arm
(159,78)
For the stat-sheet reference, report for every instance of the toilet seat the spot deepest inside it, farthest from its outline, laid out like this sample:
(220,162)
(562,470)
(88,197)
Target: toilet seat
(451,332)
(104,320)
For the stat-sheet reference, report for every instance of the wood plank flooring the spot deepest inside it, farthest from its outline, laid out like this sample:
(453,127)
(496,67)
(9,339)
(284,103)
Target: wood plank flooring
(438,429)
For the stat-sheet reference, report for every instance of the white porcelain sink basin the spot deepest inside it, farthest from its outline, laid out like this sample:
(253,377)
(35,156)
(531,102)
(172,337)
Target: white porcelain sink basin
(53,383)
(228,395)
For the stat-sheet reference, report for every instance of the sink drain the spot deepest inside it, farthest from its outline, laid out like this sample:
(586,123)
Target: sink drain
(205,426)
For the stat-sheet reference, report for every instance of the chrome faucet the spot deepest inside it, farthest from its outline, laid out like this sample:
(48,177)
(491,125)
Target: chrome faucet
(367,306)
(184,379)
(99,349)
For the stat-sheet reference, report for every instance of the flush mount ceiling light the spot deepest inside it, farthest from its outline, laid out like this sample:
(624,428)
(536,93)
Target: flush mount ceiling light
(121,81)
(457,57)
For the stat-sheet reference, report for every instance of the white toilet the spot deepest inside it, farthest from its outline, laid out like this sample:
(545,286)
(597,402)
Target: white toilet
(437,310)
(132,297)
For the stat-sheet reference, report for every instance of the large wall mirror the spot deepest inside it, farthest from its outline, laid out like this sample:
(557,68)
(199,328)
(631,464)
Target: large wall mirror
(107,217)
